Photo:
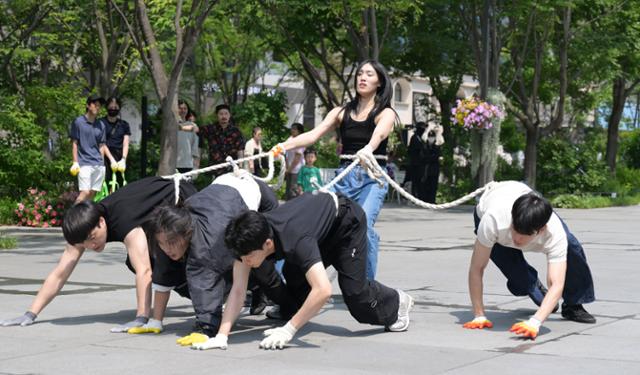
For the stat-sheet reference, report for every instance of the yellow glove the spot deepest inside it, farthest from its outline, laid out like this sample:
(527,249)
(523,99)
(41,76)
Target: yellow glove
(277,150)
(479,322)
(75,168)
(114,166)
(122,165)
(528,328)
(152,326)
(193,338)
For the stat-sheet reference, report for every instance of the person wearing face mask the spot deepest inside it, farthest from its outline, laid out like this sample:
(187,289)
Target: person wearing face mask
(118,133)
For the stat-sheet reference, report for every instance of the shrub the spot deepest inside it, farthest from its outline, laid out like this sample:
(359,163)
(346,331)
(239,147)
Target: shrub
(7,242)
(37,210)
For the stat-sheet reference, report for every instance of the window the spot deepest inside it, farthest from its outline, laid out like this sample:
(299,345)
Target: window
(397,92)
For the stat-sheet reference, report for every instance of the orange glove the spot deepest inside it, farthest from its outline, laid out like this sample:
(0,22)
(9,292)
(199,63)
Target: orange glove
(479,322)
(528,328)
(277,150)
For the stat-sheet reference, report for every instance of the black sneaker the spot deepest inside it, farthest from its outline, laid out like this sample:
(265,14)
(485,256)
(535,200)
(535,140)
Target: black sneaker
(544,291)
(577,313)
(258,303)
(276,313)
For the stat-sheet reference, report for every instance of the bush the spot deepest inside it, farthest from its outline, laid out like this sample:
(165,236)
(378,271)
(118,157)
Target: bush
(27,126)
(7,242)
(573,168)
(590,201)
(267,111)
(37,210)
(630,148)
(7,207)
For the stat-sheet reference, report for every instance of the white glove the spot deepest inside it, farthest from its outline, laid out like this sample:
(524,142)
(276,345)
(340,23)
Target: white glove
(26,319)
(138,322)
(122,165)
(218,342)
(277,338)
(152,326)
(75,168)
(368,162)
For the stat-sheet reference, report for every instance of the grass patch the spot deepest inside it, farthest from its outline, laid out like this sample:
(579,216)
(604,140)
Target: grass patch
(591,201)
(7,242)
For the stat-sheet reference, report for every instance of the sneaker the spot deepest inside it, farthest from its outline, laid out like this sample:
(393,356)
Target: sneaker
(258,303)
(276,313)
(577,313)
(543,290)
(405,305)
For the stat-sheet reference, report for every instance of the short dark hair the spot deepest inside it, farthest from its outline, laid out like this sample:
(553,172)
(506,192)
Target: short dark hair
(220,107)
(174,221)
(79,221)
(247,232)
(114,99)
(530,212)
(298,126)
(310,150)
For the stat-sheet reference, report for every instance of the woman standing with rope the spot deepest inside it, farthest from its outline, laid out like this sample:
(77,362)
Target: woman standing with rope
(364,125)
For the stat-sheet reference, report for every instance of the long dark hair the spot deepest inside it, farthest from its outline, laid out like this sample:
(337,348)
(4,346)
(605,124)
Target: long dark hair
(384,93)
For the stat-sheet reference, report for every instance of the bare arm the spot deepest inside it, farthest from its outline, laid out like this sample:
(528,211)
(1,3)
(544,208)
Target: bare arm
(235,301)
(74,151)
(125,146)
(555,277)
(320,293)
(479,260)
(305,139)
(107,153)
(384,126)
(137,248)
(57,278)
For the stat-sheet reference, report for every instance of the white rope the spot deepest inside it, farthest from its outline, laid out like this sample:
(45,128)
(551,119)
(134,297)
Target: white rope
(234,164)
(400,190)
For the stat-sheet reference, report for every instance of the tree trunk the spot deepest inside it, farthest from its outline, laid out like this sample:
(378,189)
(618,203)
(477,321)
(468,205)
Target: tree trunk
(484,159)
(619,98)
(531,155)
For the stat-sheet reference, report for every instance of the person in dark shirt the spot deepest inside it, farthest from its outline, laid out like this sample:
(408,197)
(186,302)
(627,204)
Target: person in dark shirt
(118,133)
(117,218)
(311,232)
(194,235)
(223,139)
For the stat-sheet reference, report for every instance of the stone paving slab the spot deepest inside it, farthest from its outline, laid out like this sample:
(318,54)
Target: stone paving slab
(424,252)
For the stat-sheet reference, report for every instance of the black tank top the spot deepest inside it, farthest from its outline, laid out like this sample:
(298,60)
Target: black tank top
(355,135)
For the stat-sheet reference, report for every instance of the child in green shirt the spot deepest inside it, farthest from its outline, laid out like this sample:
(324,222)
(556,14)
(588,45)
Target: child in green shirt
(309,175)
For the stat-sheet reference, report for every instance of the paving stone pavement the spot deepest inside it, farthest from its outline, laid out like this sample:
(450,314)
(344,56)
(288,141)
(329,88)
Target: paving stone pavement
(423,252)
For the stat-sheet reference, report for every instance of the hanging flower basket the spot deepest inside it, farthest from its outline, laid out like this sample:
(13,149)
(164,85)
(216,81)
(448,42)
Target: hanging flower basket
(473,113)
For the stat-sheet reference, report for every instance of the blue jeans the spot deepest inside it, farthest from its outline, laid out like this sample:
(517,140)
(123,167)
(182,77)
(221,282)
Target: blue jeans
(522,278)
(359,187)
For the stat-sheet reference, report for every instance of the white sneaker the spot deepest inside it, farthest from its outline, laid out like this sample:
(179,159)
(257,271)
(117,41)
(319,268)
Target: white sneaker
(405,305)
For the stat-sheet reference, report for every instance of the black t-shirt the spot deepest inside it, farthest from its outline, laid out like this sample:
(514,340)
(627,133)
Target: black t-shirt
(129,206)
(116,132)
(300,226)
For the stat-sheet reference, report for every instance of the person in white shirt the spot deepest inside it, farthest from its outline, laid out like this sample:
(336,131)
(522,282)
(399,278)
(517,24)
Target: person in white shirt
(511,219)
(254,147)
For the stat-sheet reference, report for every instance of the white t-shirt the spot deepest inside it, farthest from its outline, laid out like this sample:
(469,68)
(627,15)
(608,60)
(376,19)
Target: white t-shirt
(246,186)
(494,210)
(290,156)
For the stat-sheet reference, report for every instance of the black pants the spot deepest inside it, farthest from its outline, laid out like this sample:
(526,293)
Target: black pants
(108,173)
(368,301)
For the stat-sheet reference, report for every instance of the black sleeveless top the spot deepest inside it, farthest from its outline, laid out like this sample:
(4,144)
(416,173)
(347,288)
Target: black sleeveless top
(355,135)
